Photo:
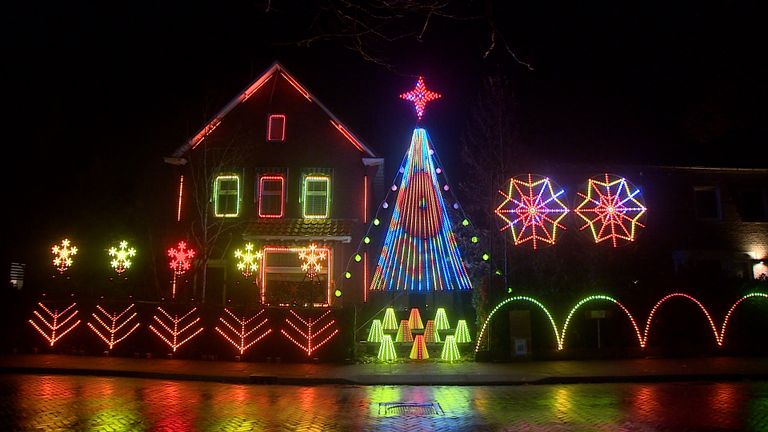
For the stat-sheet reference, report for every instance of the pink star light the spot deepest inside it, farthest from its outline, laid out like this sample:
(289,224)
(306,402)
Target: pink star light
(420,96)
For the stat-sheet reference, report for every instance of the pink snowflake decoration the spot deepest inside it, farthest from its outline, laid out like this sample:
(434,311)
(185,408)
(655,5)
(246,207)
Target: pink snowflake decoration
(532,209)
(611,208)
(180,258)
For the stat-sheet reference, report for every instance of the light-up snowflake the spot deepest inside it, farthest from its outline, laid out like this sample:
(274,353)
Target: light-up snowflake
(420,96)
(248,260)
(611,208)
(64,253)
(532,209)
(121,256)
(180,258)
(311,258)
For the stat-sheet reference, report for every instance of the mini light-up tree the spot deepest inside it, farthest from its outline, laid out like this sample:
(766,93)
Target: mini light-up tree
(175,337)
(414,320)
(241,330)
(611,208)
(387,349)
(63,255)
(430,334)
(462,332)
(450,350)
(404,332)
(390,321)
(420,251)
(308,337)
(180,262)
(248,260)
(441,320)
(121,257)
(419,349)
(376,332)
(108,332)
(55,327)
(311,258)
(532,209)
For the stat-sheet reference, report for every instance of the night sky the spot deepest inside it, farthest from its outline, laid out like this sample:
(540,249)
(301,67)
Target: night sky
(98,93)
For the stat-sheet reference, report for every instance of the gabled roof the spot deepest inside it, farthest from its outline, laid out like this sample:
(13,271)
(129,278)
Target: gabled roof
(276,70)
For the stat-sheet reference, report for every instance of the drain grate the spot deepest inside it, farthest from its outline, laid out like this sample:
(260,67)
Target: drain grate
(410,409)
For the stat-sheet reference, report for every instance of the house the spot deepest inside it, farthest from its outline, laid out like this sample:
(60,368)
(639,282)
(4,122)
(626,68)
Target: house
(277,169)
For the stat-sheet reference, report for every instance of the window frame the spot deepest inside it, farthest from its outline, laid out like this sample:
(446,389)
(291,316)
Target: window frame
(217,192)
(305,193)
(281,137)
(261,193)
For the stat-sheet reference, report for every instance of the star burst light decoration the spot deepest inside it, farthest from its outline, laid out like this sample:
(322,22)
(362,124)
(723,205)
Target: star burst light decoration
(64,253)
(248,260)
(420,96)
(180,258)
(611,208)
(532,209)
(121,256)
(311,257)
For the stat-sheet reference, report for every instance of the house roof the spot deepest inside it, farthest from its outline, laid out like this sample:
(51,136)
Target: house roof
(300,229)
(277,71)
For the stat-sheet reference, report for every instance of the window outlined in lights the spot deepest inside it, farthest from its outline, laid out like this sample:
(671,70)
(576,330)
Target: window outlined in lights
(276,127)
(271,196)
(226,196)
(316,196)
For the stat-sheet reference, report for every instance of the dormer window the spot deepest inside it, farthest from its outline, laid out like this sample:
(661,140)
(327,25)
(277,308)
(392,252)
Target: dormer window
(276,127)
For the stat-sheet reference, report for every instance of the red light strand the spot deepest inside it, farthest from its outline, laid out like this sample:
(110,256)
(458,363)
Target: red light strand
(174,334)
(309,336)
(113,327)
(53,324)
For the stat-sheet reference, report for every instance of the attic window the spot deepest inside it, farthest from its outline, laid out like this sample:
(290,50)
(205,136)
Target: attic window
(276,127)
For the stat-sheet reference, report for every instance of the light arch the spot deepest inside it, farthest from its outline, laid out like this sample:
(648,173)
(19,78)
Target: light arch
(721,338)
(510,300)
(561,342)
(689,297)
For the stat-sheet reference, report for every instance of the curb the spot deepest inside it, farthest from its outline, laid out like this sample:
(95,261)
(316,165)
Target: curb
(373,380)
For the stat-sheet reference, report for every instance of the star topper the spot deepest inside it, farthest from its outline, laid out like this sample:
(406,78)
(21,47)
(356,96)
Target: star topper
(420,96)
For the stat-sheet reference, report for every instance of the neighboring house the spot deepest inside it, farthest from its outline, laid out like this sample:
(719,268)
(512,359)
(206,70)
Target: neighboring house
(277,169)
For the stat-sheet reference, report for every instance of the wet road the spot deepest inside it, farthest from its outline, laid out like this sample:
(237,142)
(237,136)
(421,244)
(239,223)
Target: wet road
(43,403)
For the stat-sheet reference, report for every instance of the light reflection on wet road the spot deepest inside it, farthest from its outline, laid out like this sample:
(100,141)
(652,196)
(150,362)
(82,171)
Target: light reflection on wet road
(36,402)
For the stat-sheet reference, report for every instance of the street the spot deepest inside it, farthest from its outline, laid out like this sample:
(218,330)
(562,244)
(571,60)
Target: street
(44,403)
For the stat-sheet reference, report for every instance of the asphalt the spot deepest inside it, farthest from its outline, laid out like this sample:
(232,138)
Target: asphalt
(406,373)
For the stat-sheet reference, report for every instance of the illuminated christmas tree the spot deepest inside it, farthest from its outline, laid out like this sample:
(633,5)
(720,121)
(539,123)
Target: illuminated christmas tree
(430,334)
(376,333)
(420,251)
(462,332)
(404,332)
(414,321)
(387,349)
(390,322)
(419,349)
(441,320)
